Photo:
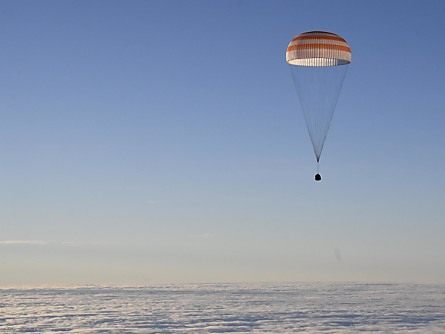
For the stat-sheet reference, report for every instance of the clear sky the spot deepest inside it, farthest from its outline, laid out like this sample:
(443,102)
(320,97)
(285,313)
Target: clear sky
(162,141)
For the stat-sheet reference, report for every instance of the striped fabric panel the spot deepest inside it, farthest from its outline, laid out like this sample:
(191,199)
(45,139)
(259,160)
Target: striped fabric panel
(318,49)
(316,41)
(319,35)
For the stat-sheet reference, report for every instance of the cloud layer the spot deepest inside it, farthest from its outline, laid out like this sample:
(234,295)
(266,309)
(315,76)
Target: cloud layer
(292,308)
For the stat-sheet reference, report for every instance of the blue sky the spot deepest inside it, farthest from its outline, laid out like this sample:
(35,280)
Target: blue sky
(162,141)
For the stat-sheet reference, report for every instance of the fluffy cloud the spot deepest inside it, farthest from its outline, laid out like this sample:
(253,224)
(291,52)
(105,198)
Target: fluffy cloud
(227,308)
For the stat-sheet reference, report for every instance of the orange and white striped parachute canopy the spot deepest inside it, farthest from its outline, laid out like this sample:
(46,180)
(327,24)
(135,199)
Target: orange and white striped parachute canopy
(317,49)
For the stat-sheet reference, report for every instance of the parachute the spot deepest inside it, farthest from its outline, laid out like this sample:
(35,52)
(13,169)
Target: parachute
(318,62)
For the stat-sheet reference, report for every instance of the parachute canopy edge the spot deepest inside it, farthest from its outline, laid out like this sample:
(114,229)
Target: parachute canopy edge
(318,49)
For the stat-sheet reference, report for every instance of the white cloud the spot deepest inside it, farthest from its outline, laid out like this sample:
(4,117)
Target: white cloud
(228,308)
(24,242)
(69,244)
(200,236)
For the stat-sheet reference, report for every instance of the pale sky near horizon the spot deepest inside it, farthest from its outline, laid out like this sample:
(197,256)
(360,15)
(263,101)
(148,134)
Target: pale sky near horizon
(162,141)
